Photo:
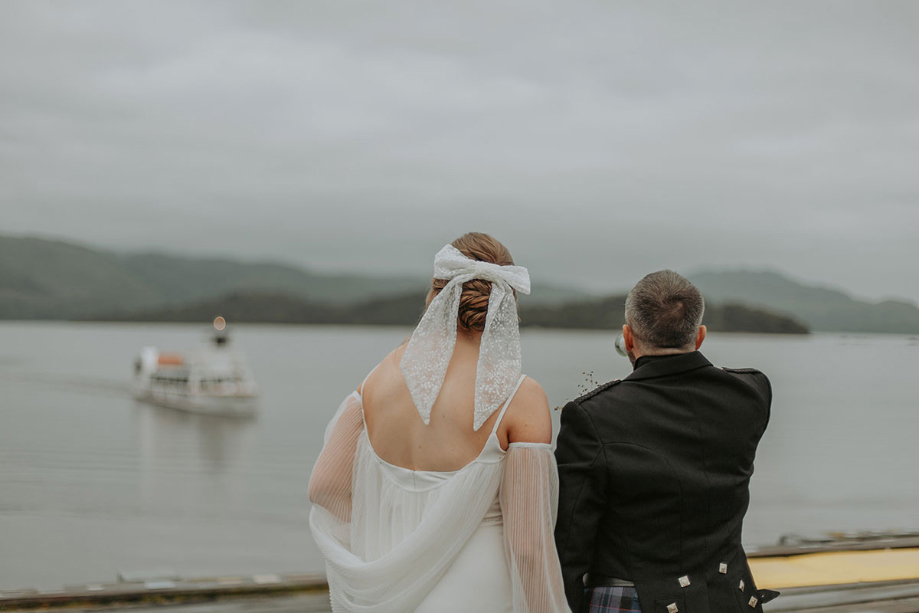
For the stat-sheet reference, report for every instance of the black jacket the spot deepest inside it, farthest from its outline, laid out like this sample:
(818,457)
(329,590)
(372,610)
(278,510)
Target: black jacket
(654,483)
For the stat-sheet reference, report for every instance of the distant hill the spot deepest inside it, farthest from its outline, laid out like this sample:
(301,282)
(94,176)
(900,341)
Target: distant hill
(822,309)
(42,279)
(274,308)
(405,310)
(51,279)
(608,314)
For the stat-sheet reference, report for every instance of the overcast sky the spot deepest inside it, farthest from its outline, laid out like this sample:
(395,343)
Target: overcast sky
(598,140)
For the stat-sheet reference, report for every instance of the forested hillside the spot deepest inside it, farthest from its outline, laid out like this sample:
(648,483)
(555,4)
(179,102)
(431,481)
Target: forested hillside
(405,310)
(822,309)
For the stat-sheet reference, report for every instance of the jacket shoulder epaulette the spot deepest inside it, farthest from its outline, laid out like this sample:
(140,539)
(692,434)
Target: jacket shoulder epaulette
(597,390)
(743,371)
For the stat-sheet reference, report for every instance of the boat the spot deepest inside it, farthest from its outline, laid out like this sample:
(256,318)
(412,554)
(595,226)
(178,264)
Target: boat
(212,380)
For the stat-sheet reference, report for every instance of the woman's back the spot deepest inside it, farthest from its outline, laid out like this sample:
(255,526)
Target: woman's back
(436,488)
(448,442)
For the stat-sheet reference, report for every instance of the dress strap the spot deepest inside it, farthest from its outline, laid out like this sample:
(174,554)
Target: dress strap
(507,403)
(361,386)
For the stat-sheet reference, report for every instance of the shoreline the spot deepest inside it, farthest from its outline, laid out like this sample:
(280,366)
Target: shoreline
(827,586)
(162,591)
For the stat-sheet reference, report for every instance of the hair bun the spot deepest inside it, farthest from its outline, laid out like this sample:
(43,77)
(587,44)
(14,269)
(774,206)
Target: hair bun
(473,306)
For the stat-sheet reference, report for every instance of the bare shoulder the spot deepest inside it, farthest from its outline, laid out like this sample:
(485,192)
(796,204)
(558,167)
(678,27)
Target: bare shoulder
(531,392)
(385,369)
(528,417)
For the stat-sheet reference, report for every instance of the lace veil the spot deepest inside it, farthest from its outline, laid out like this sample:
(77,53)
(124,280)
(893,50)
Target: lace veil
(424,363)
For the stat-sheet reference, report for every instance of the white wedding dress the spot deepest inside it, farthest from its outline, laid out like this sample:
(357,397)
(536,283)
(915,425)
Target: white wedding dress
(478,539)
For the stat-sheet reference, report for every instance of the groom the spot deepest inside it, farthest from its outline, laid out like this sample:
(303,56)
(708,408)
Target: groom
(655,469)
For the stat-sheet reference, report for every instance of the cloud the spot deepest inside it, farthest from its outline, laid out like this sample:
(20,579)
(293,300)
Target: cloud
(598,140)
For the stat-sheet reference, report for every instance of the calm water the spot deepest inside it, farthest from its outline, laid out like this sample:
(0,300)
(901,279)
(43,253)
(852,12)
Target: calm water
(92,482)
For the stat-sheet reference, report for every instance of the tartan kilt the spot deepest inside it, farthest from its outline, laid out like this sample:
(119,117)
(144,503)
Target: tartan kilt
(612,600)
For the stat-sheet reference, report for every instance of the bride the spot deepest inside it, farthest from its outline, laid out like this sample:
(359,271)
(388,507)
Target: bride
(436,488)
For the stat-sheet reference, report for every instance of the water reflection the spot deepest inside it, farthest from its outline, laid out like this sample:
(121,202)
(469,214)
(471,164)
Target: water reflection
(190,461)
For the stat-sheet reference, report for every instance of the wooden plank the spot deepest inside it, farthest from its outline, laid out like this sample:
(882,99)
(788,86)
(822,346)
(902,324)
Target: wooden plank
(910,605)
(867,544)
(162,592)
(866,596)
(836,568)
(289,603)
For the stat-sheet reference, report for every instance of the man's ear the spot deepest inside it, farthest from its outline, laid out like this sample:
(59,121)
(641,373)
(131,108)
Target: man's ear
(700,337)
(628,337)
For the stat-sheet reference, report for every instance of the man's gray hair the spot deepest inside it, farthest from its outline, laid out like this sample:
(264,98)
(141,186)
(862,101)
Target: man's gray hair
(664,310)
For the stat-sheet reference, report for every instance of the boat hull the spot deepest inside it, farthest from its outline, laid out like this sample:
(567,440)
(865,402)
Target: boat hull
(230,406)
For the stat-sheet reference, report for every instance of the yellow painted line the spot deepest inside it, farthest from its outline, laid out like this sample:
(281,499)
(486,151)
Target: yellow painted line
(836,568)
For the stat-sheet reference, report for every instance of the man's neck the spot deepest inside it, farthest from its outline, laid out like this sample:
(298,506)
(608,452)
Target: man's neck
(652,358)
(638,353)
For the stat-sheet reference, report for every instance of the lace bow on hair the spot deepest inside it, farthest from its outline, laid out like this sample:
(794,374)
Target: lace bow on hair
(424,364)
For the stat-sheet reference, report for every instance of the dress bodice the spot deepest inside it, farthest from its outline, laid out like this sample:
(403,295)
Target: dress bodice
(417,482)
(395,539)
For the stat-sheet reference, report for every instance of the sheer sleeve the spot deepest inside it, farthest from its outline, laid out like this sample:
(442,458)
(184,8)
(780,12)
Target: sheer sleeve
(529,504)
(330,482)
